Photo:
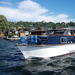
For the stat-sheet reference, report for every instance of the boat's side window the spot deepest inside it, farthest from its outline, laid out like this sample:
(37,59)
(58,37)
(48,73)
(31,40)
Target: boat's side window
(63,40)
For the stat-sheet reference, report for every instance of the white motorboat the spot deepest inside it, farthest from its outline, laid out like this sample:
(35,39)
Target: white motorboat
(47,51)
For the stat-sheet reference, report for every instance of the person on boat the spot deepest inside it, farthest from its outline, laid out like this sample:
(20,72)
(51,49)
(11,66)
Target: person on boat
(23,40)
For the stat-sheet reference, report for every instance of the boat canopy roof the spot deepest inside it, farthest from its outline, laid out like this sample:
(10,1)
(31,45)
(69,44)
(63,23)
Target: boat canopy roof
(67,28)
(61,29)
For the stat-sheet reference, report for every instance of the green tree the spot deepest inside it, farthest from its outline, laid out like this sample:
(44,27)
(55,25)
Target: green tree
(4,24)
(71,24)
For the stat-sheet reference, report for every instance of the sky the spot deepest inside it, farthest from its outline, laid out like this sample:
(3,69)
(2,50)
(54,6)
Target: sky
(38,10)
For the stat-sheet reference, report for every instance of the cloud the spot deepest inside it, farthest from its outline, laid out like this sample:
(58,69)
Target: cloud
(62,18)
(29,10)
(5,3)
(32,7)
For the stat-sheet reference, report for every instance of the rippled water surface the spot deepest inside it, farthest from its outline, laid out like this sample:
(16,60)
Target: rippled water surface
(12,62)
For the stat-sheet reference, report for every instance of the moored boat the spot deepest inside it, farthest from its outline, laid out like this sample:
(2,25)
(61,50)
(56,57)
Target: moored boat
(55,43)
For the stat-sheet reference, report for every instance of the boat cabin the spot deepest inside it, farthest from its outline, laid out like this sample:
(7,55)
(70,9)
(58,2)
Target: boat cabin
(63,31)
(38,32)
(55,36)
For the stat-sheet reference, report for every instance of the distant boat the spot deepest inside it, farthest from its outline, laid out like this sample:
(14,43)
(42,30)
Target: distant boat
(55,43)
(12,38)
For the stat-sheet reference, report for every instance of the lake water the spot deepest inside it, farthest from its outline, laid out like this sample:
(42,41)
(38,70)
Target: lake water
(12,62)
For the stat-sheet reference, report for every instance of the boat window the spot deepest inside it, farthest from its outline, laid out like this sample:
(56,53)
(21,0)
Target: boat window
(57,32)
(43,38)
(67,32)
(38,33)
(63,40)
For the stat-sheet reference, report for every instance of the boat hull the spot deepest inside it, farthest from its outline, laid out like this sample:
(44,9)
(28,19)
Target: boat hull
(47,51)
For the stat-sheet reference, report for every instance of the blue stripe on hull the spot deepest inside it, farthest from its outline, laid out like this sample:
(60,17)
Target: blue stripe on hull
(60,39)
(51,39)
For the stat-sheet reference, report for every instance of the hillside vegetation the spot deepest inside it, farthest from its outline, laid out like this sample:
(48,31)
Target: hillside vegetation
(6,25)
